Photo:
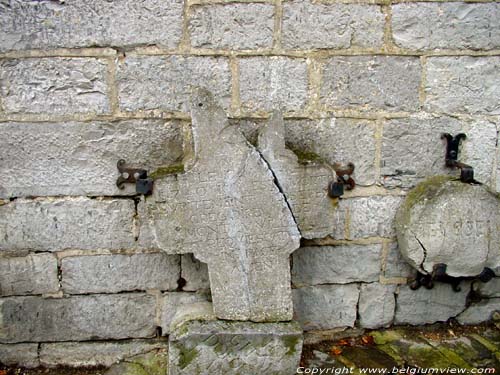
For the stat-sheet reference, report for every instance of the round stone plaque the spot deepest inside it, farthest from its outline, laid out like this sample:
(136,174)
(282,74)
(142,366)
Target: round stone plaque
(445,221)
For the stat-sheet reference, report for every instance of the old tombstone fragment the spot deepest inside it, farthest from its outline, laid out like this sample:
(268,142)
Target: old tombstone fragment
(201,344)
(304,185)
(446,225)
(227,210)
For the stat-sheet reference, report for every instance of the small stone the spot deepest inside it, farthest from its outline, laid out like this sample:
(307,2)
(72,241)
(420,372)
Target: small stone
(376,305)
(480,312)
(489,289)
(326,306)
(442,211)
(194,273)
(336,264)
(25,355)
(426,306)
(32,274)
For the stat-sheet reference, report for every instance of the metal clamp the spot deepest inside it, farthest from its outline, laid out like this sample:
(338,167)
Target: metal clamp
(343,181)
(439,274)
(143,184)
(451,158)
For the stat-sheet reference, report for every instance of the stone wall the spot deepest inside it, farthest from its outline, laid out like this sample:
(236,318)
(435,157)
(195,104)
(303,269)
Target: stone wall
(84,84)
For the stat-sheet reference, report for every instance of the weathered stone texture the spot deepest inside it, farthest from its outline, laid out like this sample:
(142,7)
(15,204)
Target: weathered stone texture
(430,219)
(376,305)
(412,149)
(308,25)
(236,220)
(326,306)
(479,312)
(373,216)
(395,265)
(77,158)
(166,83)
(76,354)
(173,302)
(425,306)
(62,86)
(194,273)
(73,23)
(447,25)
(118,273)
(304,185)
(270,83)
(71,223)
(223,347)
(371,83)
(336,264)
(463,84)
(25,355)
(77,318)
(32,274)
(232,26)
(489,289)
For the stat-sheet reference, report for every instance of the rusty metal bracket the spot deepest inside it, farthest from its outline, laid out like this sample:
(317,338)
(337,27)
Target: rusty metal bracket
(343,181)
(143,184)
(451,158)
(439,274)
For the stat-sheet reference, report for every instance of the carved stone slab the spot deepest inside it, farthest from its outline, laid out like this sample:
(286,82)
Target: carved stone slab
(451,222)
(305,186)
(199,346)
(228,211)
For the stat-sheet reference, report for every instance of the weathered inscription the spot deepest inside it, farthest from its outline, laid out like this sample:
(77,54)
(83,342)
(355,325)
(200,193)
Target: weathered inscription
(450,222)
(304,185)
(228,211)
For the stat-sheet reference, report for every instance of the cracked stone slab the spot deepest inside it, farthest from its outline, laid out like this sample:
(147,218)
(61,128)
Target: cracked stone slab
(446,221)
(227,210)
(305,186)
(201,345)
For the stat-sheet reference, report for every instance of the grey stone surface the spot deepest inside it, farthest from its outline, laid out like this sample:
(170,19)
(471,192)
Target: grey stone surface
(25,355)
(98,353)
(235,220)
(195,273)
(304,186)
(140,81)
(489,289)
(72,23)
(336,264)
(326,306)
(222,347)
(269,83)
(463,84)
(425,306)
(118,273)
(480,312)
(373,216)
(308,25)
(412,149)
(232,26)
(173,302)
(371,83)
(152,363)
(32,274)
(67,223)
(79,158)
(395,265)
(446,25)
(376,305)
(54,85)
(78,318)
(440,212)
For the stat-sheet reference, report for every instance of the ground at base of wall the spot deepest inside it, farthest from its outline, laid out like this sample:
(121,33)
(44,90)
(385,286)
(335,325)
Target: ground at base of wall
(444,346)
(410,350)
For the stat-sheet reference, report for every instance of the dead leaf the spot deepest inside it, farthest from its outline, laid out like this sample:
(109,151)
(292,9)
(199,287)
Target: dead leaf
(367,340)
(336,350)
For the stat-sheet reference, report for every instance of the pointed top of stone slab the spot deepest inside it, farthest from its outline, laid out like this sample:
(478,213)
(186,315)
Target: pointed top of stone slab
(228,211)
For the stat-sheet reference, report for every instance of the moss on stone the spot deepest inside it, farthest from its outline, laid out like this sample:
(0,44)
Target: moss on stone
(306,157)
(290,344)
(186,356)
(167,170)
